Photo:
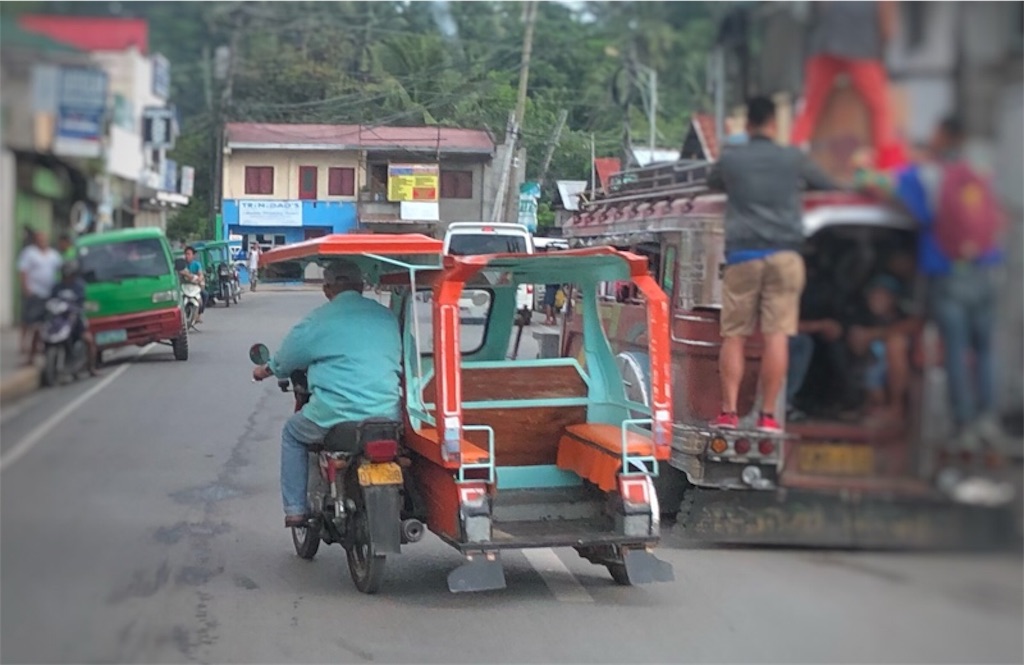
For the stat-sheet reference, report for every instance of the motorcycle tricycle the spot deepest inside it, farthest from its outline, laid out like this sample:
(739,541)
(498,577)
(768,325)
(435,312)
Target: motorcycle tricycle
(505,454)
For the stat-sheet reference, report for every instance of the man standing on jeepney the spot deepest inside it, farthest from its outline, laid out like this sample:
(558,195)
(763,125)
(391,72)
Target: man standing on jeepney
(764,273)
(351,350)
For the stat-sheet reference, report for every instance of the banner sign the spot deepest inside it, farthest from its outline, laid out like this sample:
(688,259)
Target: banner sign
(270,213)
(77,97)
(170,176)
(529,193)
(158,127)
(161,77)
(188,180)
(413,182)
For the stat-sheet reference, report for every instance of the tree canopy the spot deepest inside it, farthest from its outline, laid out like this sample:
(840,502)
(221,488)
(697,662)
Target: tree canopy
(411,63)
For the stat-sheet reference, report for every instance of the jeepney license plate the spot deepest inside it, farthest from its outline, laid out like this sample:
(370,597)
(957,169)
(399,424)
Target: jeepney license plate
(380,474)
(837,459)
(111,337)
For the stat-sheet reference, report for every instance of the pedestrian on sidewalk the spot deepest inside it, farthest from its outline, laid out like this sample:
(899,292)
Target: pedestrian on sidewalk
(764,273)
(254,264)
(39,267)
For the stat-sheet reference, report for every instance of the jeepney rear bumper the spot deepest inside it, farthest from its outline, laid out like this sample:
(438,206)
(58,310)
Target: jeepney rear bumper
(139,329)
(846,519)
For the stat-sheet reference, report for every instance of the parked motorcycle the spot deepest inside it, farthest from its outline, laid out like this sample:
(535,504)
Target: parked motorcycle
(66,355)
(228,282)
(357,492)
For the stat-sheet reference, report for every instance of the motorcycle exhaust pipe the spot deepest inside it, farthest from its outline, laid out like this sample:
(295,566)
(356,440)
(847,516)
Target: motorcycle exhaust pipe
(412,530)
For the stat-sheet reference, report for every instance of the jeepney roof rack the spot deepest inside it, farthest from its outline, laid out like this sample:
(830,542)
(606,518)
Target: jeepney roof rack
(687,177)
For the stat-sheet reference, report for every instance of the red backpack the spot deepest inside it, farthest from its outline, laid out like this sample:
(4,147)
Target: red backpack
(968,219)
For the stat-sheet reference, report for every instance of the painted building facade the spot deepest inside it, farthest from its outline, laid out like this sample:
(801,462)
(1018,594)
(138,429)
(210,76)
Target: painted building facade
(286,183)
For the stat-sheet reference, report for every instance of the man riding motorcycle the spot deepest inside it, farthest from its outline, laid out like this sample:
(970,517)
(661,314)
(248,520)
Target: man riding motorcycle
(193,272)
(71,289)
(351,350)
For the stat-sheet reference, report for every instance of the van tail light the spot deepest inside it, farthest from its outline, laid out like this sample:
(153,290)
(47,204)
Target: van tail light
(742,446)
(719,445)
(382,450)
(766,447)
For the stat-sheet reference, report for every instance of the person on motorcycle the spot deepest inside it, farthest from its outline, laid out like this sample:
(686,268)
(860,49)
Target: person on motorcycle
(351,350)
(71,289)
(193,272)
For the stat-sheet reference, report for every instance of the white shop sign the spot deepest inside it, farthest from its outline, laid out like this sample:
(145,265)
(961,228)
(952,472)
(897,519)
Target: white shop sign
(270,213)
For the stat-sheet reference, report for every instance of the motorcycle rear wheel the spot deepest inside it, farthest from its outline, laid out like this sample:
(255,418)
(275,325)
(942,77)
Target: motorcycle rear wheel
(365,567)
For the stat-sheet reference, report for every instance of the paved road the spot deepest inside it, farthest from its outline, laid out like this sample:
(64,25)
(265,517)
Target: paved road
(144,525)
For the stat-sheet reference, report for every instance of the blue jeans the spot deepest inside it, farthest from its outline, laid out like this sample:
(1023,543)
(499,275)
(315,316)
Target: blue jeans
(298,433)
(962,305)
(801,351)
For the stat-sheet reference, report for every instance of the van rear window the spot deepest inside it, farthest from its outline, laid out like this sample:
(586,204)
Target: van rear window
(118,261)
(471,244)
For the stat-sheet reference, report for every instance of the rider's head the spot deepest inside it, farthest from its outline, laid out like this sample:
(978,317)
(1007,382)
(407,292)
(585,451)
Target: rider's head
(341,276)
(761,117)
(948,136)
(69,270)
(190,253)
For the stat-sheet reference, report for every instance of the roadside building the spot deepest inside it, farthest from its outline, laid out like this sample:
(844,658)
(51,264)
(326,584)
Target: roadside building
(285,183)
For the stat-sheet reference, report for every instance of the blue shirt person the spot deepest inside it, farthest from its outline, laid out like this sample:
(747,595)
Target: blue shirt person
(194,267)
(351,349)
(961,296)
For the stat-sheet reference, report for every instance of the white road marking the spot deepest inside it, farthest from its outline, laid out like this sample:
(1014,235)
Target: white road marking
(557,576)
(21,448)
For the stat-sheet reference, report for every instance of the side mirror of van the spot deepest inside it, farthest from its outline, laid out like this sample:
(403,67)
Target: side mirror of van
(179,265)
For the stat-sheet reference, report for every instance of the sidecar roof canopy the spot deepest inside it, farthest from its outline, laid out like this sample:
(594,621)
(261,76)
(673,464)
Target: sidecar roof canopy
(593,264)
(376,255)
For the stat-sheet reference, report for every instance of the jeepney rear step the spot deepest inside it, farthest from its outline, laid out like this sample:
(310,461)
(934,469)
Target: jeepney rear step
(807,518)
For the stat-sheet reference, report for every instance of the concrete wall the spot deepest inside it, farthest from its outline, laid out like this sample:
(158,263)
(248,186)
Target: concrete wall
(286,165)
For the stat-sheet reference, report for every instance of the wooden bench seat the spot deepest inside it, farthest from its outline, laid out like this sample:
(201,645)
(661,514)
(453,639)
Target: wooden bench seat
(471,453)
(523,435)
(594,451)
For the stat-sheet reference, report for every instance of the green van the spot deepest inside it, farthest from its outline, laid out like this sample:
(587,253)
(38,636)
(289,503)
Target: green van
(133,293)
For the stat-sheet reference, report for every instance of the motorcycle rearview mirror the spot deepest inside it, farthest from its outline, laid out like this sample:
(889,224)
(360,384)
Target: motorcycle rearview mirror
(259,354)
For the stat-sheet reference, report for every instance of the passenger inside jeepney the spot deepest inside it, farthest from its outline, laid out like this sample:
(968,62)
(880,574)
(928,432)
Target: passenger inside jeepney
(851,356)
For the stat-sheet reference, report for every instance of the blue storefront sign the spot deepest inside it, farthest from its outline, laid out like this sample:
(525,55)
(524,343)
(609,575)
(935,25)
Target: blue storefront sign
(81,104)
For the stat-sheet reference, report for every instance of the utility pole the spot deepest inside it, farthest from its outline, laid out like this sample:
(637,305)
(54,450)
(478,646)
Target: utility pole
(563,115)
(652,112)
(513,139)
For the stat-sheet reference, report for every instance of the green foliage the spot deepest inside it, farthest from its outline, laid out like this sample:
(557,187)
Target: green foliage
(448,63)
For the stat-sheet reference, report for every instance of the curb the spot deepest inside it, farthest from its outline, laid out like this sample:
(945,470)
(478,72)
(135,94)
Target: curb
(19,383)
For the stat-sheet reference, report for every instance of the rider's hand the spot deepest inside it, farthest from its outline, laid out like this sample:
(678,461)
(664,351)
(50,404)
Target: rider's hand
(262,372)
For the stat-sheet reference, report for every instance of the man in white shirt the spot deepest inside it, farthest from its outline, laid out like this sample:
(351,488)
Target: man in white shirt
(39,266)
(254,264)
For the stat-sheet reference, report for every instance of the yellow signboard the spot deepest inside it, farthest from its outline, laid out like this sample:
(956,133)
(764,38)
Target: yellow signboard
(413,182)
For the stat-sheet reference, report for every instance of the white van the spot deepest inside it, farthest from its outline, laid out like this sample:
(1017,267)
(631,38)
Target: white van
(469,238)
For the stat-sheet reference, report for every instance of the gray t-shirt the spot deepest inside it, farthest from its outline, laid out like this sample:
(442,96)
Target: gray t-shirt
(850,30)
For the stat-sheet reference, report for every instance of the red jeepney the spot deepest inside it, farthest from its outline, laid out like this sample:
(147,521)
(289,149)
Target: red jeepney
(832,479)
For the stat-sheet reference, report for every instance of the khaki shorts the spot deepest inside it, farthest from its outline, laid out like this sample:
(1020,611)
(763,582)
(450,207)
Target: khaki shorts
(768,288)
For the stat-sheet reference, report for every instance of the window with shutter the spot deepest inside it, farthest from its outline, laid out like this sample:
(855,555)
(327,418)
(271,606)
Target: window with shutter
(456,184)
(259,180)
(341,181)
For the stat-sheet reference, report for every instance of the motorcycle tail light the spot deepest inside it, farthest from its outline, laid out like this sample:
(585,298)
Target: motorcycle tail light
(766,447)
(382,450)
(742,446)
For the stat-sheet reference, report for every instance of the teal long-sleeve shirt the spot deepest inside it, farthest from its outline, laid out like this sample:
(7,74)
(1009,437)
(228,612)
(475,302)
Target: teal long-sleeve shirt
(351,349)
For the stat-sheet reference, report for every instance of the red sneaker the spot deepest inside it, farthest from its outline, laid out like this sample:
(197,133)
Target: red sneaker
(767,423)
(726,421)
